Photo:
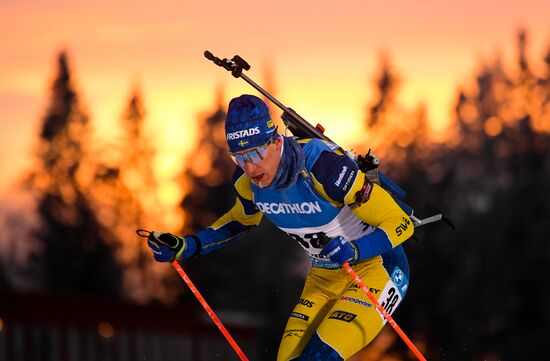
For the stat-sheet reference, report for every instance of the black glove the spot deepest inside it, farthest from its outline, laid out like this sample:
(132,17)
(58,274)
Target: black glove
(166,247)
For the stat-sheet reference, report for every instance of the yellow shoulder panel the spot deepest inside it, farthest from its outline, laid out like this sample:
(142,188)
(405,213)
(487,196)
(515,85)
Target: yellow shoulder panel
(236,213)
(242,185)
(381,211)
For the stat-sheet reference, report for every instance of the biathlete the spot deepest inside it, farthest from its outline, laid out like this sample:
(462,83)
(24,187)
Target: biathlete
(312,190)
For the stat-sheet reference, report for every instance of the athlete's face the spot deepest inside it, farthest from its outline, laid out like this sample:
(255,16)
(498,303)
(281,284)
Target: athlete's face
(264,171)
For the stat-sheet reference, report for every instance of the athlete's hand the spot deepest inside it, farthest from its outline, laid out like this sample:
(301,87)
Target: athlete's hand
(166,247)
(340,250)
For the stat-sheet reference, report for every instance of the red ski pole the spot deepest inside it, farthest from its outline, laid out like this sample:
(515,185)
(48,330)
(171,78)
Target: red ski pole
(209,310)
(145,234)
(386,315)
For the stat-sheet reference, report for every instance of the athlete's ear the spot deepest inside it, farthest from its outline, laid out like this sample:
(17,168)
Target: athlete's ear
(278,142)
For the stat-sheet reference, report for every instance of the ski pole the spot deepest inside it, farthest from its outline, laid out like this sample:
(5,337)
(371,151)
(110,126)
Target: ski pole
(209,311)
(386,315)
(145,234)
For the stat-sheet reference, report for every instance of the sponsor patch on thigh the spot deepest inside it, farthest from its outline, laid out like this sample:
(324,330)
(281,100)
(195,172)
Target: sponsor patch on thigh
(299,315)
(297,332)
(356,301)
(342,316)
(400,281)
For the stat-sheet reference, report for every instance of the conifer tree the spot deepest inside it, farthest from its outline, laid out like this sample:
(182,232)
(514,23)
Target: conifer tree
(395,134)
(209,192)
(76,250)
(494,193)
(124,194)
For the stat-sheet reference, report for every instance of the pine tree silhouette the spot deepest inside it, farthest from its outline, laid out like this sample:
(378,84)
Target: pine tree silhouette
(398,136)
(387,84)
(77,251)
(123,191)
(492,186)
(489,179)
(209,192)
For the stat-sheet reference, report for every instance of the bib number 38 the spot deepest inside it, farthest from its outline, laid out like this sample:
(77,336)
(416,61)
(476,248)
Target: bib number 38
(394,291)
(312,240)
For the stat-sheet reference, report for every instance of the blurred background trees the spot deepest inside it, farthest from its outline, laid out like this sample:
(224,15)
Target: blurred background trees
(124,194)
(481,283)
(71,242)
(490,178)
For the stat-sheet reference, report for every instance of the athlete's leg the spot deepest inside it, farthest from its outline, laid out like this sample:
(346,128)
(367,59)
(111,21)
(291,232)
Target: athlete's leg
(312,307)
(353,321)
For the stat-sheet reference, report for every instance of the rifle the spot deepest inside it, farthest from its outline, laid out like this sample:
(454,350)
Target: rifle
(301,128)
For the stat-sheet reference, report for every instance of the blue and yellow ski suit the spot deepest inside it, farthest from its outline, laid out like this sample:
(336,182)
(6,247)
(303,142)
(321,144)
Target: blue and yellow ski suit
(333,319)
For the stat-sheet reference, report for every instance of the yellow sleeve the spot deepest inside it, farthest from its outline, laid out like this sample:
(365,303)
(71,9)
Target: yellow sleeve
(237,213)
(237,221)
(376,207)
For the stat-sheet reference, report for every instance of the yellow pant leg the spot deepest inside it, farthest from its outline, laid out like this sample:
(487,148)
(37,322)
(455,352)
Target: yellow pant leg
(312,307)
(353,321)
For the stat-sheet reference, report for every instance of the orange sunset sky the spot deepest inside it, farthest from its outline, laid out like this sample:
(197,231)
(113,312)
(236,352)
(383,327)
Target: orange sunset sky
(324,55)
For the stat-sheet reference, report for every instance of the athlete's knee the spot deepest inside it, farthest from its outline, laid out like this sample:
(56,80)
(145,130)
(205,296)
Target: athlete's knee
(318,350)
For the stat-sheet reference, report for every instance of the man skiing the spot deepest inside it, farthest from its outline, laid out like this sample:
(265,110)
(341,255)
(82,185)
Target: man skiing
(313,191)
